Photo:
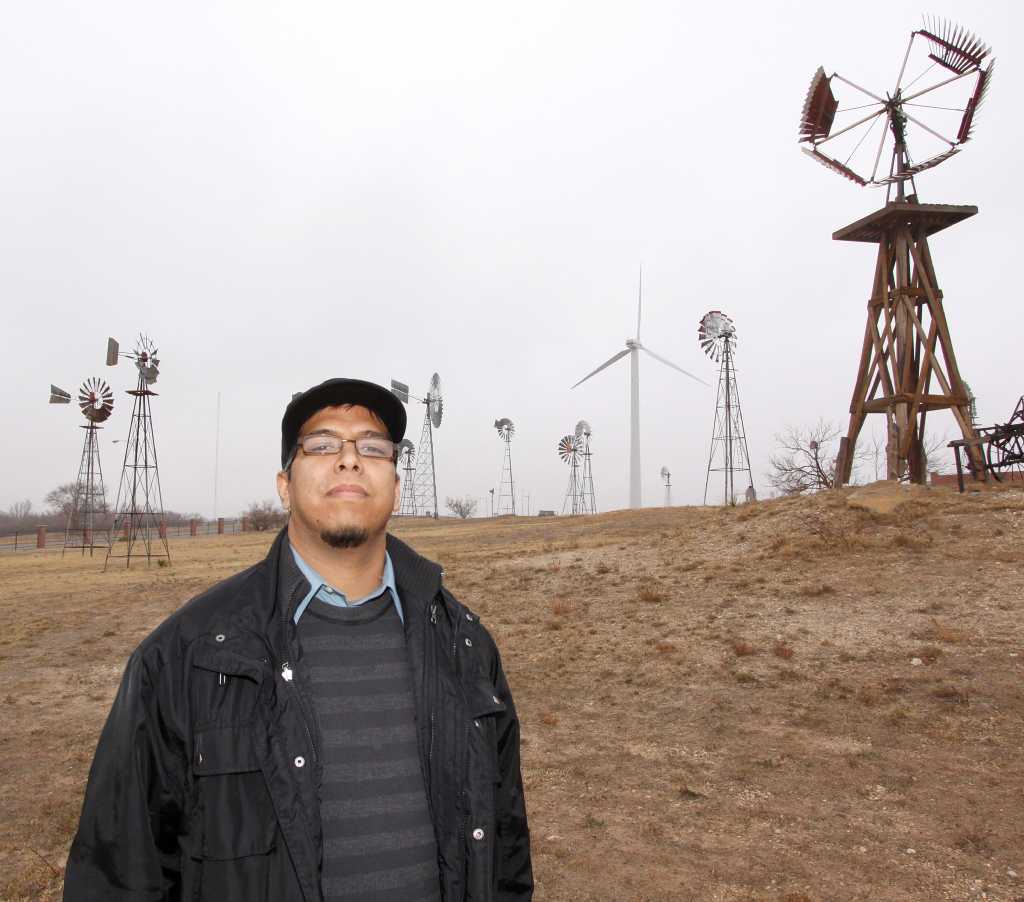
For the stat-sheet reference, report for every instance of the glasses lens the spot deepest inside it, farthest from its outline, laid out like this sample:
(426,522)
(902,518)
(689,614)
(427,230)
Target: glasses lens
(370,446)
(375,447)
(321,444)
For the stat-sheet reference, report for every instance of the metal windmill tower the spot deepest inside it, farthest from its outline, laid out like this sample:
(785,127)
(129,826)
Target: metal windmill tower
(666,479)
(588,502)
(633,348)
(569,451)
(907,343)
(89,502)
(425,477)
(729,453)
(407,464)
(139,512)
(507,489)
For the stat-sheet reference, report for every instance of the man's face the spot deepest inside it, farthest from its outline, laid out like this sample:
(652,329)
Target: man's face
(342,494)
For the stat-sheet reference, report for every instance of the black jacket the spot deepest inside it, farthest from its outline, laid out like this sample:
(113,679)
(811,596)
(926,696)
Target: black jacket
(205,780)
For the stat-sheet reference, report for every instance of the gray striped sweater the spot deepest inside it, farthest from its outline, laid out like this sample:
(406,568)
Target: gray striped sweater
(379,843)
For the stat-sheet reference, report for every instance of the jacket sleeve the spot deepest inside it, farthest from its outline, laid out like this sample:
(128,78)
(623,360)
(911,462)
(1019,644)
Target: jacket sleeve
(514,868)
(126,846)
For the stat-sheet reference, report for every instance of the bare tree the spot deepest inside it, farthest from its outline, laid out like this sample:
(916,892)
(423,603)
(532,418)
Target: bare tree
(934,445)
(805,460)
(20,510)
(61,500)
(263,515)
(874,452)
(461,507)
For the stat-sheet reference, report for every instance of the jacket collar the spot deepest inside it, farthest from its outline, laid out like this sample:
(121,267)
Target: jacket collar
(418,580)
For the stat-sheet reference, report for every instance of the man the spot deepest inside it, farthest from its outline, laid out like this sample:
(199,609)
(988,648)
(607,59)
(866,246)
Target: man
(330,724)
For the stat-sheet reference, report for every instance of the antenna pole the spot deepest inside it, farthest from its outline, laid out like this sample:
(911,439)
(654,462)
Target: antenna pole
(216,458)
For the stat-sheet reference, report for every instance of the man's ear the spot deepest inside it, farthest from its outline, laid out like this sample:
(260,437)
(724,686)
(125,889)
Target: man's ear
(398,492)
(284,486)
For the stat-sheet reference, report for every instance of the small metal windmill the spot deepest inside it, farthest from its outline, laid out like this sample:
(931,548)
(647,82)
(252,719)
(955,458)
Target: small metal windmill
(407,464)
(139,512)
(89,501)
(569,452)
(941,84)
(424,480)
(507,488)
(729,453)
(582,433)
(666,479)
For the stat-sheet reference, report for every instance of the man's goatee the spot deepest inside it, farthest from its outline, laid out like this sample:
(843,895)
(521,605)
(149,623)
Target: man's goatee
(349,537)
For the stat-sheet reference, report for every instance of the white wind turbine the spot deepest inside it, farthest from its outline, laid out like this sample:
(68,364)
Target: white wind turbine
(633,347)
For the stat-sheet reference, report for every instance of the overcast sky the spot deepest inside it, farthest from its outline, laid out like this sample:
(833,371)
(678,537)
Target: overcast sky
(283,192)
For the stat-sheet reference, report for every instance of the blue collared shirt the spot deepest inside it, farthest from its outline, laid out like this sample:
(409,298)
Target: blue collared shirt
(322,591)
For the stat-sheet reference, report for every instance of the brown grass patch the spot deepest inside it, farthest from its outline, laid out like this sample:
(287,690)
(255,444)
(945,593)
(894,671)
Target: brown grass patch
(782,650)
(954,695)
(651,594)
(942,632)
(815,590)
(563,607)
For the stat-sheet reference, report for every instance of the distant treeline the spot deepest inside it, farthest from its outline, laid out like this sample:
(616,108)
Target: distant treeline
(56,521)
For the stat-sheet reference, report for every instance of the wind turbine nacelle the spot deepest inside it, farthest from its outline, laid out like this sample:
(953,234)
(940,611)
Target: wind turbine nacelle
(632,343)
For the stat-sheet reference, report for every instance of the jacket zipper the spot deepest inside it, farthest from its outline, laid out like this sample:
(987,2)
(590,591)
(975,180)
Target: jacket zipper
(433,715)
(463,814)
(302,713)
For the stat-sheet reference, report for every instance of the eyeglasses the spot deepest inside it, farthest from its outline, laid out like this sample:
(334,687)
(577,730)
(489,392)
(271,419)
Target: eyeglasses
(323,445)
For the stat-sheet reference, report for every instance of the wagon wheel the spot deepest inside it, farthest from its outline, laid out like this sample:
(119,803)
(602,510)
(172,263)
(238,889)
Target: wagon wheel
(1006,449)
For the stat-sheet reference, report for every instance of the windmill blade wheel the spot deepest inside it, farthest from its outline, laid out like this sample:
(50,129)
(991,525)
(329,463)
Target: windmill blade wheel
(567,448)
(1006,449)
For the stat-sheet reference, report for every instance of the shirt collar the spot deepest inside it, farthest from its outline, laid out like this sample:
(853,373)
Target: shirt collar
(331,595)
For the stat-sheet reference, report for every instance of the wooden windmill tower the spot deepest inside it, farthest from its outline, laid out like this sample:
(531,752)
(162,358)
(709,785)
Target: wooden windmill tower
(907,365)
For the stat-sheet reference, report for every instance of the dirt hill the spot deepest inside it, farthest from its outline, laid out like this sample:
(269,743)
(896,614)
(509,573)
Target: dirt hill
(802,699)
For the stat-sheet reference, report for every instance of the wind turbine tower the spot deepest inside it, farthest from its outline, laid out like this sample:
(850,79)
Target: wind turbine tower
(633,348)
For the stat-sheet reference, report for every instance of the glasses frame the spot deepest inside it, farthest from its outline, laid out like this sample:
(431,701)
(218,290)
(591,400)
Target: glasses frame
(393,457)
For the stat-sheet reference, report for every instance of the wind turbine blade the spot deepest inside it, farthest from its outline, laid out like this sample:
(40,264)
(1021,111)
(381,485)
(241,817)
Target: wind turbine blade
(661,359)
(607,363)
(639,300)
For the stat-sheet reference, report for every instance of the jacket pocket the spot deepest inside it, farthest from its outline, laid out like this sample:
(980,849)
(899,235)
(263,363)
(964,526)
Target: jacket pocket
(485,707)
(236,814)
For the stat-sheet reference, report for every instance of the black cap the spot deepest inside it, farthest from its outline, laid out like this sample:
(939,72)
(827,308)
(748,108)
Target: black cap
(332,393)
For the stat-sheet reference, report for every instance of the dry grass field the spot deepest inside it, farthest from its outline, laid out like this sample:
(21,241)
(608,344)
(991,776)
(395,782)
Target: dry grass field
(796,700)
